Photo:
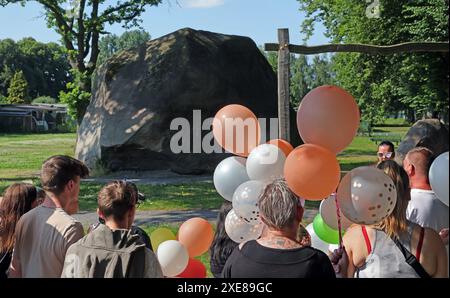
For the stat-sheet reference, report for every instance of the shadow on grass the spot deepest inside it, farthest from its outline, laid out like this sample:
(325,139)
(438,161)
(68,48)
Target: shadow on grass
(161,197)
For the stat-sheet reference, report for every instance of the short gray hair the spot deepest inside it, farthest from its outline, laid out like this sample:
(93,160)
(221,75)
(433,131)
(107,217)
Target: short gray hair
(278,205)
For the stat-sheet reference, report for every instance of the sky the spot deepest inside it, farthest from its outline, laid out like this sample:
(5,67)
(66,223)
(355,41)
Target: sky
(257,19)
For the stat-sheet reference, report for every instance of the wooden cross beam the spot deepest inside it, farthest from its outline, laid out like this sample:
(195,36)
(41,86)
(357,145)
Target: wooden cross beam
(284,49)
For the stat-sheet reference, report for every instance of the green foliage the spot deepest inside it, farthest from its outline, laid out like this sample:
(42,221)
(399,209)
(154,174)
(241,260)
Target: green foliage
(414,82)
(3,99)
(18,89)
(111,43)
(75,97)
(305,75)
(44,65)
(80,27)
(69,125)
(44,99)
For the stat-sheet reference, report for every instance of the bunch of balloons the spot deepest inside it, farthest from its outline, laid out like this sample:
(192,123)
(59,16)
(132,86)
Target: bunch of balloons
(241,179)
(176,255)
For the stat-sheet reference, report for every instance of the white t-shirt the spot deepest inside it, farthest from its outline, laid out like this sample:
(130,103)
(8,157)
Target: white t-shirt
(426,210)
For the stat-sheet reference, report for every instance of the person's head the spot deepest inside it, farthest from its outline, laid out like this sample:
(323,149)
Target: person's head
(60,178)
(396,223)
(18,199)
(417,164)
(222,246)
(386,151)
(280,209)
(117,203)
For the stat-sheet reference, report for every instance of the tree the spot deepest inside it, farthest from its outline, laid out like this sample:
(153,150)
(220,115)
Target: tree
(18,89)
(300,77)
(44,65)
(383,84)
(80,27)
(111,43)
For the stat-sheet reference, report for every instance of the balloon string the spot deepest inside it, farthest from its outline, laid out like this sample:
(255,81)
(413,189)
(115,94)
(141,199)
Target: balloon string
(339,220)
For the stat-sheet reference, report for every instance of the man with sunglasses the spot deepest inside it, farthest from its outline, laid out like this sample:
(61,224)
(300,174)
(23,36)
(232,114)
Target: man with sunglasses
(386,151)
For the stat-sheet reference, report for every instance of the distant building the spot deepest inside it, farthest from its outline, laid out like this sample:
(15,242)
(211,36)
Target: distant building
(32,118)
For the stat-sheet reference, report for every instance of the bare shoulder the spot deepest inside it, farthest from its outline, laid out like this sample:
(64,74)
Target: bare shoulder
(432,238)
(353,232)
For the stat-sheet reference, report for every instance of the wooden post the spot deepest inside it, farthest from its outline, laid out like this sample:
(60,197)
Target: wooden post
(283,84)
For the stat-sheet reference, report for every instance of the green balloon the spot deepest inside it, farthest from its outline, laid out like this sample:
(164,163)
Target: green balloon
(324,232)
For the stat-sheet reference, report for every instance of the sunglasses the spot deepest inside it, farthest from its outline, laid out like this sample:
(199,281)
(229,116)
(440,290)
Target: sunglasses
(140,196)
(386,155)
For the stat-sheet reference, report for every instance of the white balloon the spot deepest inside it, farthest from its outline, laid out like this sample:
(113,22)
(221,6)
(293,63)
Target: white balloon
(173,257)
(366,195)
(245,200)
(439,177)
(239,230)
(228,175)
(265,162)
(316,242)
(328,212)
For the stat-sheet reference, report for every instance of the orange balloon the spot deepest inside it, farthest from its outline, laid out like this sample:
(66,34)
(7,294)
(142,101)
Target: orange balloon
(196,234)
(328,116)
(283,145)
(236,129)
(312,172)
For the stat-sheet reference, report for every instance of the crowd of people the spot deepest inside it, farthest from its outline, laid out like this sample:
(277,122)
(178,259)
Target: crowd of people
(40,238)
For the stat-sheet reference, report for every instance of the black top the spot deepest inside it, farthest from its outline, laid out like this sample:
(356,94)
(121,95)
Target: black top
(5,260)
(256,261)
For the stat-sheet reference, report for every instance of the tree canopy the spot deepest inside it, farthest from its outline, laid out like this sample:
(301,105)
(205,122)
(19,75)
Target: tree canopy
(44,66)
(415,82)
(112,43)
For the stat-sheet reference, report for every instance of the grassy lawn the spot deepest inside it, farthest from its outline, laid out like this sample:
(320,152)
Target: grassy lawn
(162,197)
(21,155)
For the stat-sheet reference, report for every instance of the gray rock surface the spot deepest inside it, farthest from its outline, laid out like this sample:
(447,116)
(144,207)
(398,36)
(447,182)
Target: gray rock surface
(430,133)
(138,92)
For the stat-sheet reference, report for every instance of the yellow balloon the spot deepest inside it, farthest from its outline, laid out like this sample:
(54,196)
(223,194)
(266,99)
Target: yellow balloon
(160,235)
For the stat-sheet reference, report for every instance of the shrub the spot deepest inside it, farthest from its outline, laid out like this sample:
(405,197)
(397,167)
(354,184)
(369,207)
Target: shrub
(44,99)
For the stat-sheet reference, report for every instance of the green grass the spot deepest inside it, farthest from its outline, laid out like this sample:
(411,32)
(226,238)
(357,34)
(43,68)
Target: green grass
(21,155)
(162,197)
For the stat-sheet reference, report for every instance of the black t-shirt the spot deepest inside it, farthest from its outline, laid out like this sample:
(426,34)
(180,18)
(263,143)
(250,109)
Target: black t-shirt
(256,261)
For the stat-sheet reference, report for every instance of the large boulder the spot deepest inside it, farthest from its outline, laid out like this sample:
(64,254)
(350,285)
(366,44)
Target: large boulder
(429,133)
(137,93)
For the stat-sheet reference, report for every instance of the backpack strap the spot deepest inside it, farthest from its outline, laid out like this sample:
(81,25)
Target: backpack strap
(411,260)
(366,239)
